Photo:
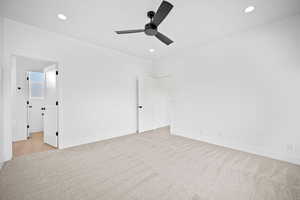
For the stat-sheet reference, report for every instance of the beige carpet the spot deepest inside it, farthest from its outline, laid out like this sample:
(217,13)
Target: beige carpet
(152,166)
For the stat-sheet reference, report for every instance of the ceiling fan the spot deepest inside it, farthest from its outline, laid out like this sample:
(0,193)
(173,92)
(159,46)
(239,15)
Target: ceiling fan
(151,28)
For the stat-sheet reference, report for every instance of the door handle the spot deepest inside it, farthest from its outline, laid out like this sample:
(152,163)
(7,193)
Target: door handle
(29,106)
(140,107)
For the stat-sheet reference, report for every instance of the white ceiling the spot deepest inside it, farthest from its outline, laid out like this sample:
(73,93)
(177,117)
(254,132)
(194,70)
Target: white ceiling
(192,22)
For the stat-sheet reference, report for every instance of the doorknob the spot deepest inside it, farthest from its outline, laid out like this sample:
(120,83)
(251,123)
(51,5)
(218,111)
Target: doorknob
(140,106)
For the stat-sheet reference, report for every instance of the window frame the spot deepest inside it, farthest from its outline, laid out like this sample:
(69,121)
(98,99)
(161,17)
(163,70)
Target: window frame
(37,82)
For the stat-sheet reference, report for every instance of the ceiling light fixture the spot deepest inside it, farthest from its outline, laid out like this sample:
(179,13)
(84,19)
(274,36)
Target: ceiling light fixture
(151,50)
(249,9)
(62,17)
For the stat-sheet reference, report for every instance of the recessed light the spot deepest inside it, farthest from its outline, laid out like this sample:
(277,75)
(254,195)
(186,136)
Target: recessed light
(151,50)
(62,17)
(249,9)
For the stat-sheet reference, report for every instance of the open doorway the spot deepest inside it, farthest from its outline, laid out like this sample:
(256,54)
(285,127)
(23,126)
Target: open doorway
(35,110)
(153,104)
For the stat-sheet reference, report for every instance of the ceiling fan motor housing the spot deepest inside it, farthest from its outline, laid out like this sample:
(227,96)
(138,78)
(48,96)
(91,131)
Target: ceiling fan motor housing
(150,14)
(150,29)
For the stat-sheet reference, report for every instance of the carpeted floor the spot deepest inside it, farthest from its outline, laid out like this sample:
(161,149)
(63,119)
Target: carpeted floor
(150,166)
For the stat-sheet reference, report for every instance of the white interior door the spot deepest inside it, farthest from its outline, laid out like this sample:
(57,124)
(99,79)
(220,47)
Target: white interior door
(35,117)
(20,116)
(146,104)
(51,107)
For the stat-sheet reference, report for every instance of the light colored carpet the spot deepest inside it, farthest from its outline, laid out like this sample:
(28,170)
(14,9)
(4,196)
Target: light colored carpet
(150,166)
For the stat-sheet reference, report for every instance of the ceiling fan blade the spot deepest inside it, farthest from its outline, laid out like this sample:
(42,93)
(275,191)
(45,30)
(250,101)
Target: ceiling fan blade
(162,12)
(163,38)
(130,31)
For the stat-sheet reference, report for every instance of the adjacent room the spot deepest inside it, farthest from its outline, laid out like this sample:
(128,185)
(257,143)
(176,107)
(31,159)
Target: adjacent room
(35,113)
(149,99)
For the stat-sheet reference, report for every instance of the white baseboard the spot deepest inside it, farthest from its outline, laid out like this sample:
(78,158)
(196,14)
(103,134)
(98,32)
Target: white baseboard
(247,148)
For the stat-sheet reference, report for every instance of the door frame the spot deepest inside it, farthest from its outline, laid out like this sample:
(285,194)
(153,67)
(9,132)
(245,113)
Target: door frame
(9,86)
(137,105)
(138,89)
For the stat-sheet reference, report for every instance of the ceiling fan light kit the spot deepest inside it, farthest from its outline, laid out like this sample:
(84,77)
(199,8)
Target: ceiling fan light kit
(151,29)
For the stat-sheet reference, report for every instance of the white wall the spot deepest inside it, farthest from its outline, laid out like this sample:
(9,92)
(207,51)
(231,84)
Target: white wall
(241,92)
(1,95)
(98,85)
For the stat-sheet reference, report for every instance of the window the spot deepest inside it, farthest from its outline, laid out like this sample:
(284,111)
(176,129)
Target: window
(36,85)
